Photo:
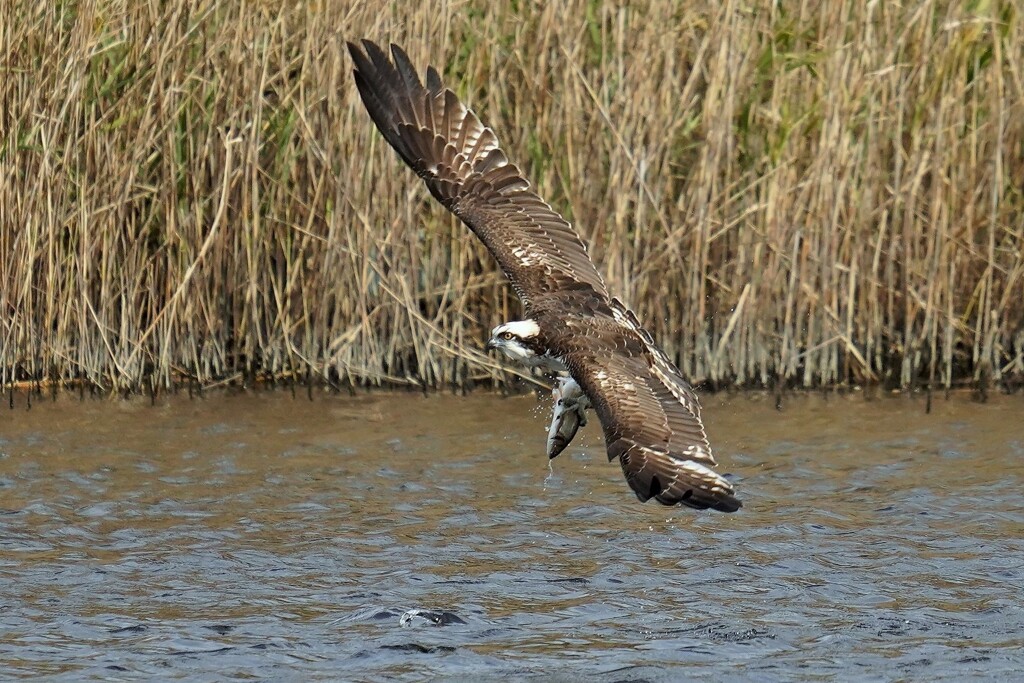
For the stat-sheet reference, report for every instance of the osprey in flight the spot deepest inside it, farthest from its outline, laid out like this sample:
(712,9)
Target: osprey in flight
(599,353)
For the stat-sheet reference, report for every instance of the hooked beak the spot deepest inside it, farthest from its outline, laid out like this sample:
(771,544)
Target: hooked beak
(490,345)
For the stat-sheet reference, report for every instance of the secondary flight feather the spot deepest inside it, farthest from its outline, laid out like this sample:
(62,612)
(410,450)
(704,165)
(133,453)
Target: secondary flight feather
(599,353)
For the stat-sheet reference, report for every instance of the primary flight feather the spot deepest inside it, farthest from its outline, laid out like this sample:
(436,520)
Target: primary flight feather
(601,355)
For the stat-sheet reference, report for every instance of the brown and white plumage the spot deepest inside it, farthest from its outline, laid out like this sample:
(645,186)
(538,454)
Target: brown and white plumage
(460,161)
(649,414)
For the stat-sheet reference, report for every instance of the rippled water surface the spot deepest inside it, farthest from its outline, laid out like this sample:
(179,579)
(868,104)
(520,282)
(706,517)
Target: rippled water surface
(406,537)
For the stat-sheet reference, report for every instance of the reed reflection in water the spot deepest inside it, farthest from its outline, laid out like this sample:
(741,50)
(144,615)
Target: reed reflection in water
(407,536)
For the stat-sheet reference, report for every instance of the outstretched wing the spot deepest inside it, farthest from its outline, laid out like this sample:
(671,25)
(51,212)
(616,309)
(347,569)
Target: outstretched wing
(650,416)
(464,168)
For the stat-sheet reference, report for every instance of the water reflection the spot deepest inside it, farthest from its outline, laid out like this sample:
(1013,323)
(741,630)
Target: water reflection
(402,536)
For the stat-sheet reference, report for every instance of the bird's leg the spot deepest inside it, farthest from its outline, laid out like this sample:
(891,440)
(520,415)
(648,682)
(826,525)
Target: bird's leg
(570,413)
(575,399)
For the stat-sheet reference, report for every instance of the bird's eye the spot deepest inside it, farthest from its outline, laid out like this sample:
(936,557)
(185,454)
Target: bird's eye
(506,335)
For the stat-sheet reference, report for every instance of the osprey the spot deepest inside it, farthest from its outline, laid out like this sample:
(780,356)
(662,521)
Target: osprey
(595,346)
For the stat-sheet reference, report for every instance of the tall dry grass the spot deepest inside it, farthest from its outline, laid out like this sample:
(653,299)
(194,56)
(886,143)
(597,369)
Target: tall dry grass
(795,193)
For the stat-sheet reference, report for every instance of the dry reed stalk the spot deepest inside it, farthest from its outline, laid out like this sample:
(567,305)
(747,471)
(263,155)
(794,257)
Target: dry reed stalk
(800,193)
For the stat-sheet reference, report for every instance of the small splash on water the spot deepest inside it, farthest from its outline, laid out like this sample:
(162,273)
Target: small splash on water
(433,617)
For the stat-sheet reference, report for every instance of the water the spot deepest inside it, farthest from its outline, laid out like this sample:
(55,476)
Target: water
(402,537)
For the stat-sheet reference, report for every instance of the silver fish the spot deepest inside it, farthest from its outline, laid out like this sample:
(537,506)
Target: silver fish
(570,413)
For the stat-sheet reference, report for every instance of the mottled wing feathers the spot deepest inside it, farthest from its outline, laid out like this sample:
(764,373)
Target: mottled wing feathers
(651,420)
(682,408)
(464,168)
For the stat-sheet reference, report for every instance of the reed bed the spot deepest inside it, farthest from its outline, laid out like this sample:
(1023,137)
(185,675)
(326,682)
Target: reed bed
(789,194)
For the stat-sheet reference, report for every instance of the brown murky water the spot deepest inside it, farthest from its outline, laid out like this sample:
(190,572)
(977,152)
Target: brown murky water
(403,537)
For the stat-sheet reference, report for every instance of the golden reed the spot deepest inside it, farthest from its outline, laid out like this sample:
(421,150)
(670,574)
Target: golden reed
(794,193)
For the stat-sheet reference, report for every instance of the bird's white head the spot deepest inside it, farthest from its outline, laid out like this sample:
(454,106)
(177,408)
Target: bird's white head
(517,340)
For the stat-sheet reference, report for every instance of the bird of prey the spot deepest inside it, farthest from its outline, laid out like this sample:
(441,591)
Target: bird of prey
(591,342)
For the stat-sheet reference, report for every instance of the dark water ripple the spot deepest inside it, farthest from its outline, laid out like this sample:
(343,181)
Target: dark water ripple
(406,538)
